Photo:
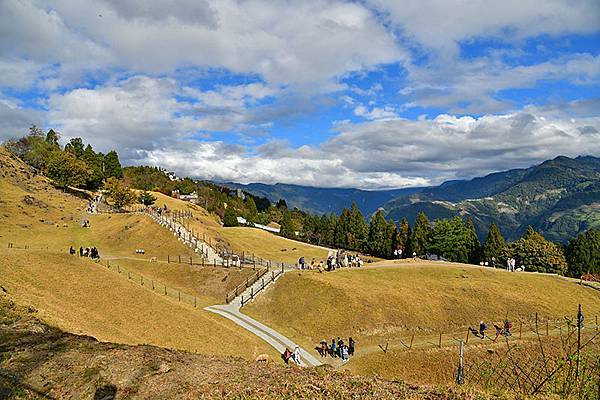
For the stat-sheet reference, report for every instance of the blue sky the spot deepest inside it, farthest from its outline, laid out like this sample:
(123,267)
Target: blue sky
(370,94)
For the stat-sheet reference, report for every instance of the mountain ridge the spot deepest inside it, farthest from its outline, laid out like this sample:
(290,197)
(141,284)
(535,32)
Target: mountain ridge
(559,197)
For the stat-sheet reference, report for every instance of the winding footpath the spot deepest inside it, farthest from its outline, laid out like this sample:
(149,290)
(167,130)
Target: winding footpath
(232,311)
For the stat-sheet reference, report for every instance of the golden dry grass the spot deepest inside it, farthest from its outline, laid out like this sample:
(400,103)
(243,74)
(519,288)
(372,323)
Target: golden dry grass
(388,302)
(84,297)
(243,239)
(211,285)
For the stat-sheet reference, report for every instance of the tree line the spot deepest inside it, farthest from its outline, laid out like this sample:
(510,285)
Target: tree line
(454,239)
(76,165)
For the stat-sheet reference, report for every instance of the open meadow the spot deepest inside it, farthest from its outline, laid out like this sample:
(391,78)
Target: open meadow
(388,303)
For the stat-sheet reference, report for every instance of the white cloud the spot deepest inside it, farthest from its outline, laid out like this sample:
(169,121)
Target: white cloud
(395,153)
(309,42)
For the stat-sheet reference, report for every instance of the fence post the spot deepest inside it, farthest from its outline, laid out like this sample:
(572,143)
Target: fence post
(460,376)
(141,280)
(520,329)
(168,259)
(194,301)
(579,323)
(179,295)
(118,269)
(128,275)
(536,322)
(440,342)
(179,259)
(165,290)
(547,328)
(152,284)
(191,260)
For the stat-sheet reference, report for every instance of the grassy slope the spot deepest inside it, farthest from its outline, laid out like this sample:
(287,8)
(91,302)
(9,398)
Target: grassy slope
(212,284)
(83,297)
(242,239)
(80,296)
(42,362)
(376,304)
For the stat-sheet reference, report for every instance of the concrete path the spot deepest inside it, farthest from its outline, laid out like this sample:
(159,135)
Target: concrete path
(274,338)
(279,342)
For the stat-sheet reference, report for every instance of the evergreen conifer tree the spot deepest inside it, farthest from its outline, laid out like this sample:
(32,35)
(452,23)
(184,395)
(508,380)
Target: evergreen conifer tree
(494,244)
(421,235)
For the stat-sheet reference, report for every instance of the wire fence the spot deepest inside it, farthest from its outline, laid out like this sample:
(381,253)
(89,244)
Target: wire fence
(152,284)
(11,245)
(564,363)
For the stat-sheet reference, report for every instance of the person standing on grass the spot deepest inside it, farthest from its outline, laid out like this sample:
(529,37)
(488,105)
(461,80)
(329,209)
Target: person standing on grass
(333,349)
(494,262)
(340,345)
(351,346)
(344,353)
(297,355)
(80,251)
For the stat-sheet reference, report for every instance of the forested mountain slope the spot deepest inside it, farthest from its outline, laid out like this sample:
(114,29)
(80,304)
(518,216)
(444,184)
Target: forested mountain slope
(559,198)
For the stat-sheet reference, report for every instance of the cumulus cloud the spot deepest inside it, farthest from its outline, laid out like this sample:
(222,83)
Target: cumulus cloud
(395,153)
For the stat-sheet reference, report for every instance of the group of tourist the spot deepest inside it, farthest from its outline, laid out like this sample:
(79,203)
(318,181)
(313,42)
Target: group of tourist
(503,330)
(334,261)
(510,264)
(92,206)
(86,223)
(91,252)
(337,349)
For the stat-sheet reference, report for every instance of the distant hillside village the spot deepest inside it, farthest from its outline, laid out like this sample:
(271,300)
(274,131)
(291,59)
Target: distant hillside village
(456,238)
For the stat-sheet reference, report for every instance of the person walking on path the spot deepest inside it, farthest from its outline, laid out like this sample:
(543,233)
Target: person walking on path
(333,349)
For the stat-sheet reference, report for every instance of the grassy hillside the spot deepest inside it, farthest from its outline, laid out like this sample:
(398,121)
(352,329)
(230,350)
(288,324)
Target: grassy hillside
(210,284)
(382,303)
(38,361)
(84,297)
(243,239)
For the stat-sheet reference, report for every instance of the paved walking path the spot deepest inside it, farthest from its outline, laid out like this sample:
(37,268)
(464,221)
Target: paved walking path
(274,338)
(232,312)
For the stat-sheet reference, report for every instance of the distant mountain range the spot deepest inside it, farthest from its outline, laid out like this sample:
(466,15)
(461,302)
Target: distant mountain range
(559,198)
(324,200)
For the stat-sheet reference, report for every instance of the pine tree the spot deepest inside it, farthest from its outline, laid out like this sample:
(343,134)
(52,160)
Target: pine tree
(449,239)
(583,254)
(75,147)
(94,163)
(112,165)
(326,234)
(341,229)
(52,139)
(380,237)
(251,211)
(474,247)
(146,198)
(287,225)
(421,235)
(494,244)
(403,237)
(357,229)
